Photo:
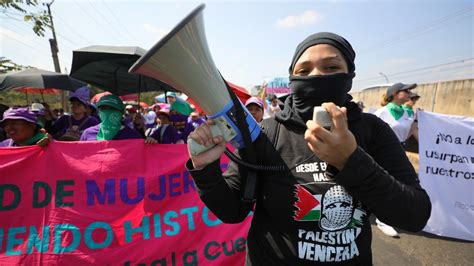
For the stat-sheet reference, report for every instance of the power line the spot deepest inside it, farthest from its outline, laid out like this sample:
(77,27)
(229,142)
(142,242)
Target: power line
(39,42)
(104,17)
(419,69)
(435,24)
(89,15)
(12,13)
(118,21)
(446,72)
(428,71)
(29,31)
(26,44)
(71,28)
(12,18)
(44,46)
(431,67)
(7,17)
(69,40)
(32,47)
(417,35)
(425,28)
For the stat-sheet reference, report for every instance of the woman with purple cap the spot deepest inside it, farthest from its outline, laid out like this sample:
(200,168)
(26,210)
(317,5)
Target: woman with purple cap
(22,128)
(195,119)
(164,133)
(316,186)
(3,108)
(255,106)
(70,127)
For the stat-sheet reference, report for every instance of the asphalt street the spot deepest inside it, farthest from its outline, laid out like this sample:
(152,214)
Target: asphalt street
(420,249)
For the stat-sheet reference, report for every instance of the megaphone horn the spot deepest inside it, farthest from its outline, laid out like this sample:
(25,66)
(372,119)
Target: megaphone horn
(182,59)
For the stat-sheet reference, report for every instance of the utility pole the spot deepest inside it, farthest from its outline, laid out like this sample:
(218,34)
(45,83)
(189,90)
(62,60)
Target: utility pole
(54,52)
(53,42)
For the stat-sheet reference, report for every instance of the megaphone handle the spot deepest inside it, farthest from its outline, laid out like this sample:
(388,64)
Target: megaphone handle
(196,148)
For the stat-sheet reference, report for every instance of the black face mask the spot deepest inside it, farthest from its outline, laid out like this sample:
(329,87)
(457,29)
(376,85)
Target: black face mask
(311,91)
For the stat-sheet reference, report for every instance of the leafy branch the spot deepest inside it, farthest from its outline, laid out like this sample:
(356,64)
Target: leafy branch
(40,19)
(7,65)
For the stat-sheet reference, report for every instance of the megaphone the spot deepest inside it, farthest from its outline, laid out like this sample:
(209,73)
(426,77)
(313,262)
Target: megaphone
(182,59)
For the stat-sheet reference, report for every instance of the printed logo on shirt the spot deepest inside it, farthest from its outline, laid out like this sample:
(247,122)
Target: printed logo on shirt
(339,219)
(316,168)
(334,210)
(308,206)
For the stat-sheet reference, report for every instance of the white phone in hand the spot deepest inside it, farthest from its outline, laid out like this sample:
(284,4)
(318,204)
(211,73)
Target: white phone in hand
(321,116)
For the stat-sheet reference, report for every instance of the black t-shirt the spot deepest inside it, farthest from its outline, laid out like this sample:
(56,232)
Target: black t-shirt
(306,216)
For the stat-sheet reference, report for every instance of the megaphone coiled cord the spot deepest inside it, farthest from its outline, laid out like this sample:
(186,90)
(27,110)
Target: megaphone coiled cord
(263,168)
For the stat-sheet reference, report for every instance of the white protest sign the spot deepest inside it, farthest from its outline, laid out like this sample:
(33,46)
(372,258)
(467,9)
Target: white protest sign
(447,172)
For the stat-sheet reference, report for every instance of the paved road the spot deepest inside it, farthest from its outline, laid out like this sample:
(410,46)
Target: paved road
(420,249)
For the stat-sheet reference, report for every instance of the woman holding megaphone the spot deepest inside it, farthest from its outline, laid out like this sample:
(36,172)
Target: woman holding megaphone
(317,208)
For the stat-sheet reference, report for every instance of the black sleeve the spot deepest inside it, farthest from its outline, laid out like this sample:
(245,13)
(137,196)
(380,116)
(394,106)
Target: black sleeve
(386,182)
(58,125)
(141,131)
(221,193)
(48,126)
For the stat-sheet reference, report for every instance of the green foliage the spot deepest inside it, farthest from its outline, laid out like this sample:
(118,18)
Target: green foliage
(6,65)
(149,97)
(15,98)
(40,20)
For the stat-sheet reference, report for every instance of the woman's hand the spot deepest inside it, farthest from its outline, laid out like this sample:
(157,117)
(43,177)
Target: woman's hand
(46,140)
(334,146)
(414,130)
(150,140)
(202,135)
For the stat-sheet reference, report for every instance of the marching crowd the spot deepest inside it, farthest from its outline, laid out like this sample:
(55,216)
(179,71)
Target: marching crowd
(165,123)
(110,119)
(362,167)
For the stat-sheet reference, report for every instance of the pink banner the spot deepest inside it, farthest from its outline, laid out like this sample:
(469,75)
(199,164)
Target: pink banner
(110,202)
(278,90)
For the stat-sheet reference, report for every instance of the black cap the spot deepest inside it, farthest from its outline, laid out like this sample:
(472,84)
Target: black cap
(399,87)
(414,95)
(326,38)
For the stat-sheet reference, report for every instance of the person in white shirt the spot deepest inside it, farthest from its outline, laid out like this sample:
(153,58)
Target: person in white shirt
(392,111)
(273,107)
(401,123)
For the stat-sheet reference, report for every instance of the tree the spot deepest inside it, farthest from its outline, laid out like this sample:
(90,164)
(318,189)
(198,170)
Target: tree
(40,20)
(7,65)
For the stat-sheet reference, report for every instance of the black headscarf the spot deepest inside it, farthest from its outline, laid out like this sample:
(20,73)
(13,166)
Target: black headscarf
(294,112)
(326,38)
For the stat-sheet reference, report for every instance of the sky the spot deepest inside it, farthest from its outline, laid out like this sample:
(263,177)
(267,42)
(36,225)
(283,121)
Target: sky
(395,41)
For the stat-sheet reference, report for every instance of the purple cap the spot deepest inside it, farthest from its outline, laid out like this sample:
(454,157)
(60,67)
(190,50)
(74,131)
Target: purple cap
(82,94)
(254,100)
(19,114)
